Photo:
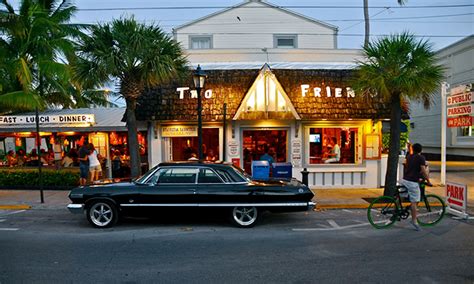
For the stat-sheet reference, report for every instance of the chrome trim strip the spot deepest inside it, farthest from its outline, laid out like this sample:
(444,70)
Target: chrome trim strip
(76,208)
(289,204)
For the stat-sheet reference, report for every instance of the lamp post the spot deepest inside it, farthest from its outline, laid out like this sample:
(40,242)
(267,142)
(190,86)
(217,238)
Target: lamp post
(199,78)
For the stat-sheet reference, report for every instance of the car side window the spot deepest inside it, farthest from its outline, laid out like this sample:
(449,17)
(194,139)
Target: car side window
(208,176)
(175,175)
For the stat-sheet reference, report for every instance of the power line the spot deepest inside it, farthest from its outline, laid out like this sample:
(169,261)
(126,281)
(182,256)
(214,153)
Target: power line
(332,20)
(263,7)
(323,20)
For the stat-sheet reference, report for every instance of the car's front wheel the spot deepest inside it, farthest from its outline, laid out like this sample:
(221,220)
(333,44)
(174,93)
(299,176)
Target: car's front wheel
(102,214)
(244,217)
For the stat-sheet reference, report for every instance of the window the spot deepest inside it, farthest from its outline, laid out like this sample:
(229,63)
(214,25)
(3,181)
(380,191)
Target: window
(231,175)
(285,41)
(186,147)
(175,175)
(332,145)
(208,176)
(200,42)
(466,131)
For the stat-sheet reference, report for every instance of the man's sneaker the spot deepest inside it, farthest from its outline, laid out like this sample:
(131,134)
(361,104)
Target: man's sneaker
(415,225)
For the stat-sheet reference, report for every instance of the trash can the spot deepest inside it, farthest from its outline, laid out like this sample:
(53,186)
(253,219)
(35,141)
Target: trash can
(282,170)
(260,170)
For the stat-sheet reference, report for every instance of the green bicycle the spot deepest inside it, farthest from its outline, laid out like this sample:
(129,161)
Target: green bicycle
(384,211)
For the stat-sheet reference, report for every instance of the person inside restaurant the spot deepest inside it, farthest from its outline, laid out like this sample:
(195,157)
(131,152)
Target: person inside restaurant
(211,157)
(335,153)
(11,159)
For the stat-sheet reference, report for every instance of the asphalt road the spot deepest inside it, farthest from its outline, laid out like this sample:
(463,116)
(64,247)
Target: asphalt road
(334,246)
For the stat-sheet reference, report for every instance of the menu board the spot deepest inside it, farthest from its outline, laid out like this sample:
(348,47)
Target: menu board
(372,147)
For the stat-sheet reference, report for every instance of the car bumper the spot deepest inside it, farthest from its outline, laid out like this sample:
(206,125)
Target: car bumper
(311,205)
(76,208)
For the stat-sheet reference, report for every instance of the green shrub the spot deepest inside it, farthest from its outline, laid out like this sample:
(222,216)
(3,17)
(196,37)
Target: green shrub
(29,177)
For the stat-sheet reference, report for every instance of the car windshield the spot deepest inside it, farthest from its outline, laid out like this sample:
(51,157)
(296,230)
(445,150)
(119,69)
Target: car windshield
(145,177)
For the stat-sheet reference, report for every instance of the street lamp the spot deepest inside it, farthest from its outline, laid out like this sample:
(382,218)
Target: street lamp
(199,78)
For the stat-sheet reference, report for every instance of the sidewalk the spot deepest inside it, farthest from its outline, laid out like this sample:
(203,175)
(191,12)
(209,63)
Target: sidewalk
(458,172)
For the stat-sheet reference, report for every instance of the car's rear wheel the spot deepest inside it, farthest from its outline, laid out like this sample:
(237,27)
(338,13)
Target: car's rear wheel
(244,217)
(102,214)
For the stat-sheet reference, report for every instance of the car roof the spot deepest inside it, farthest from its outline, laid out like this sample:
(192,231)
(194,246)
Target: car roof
(195,163)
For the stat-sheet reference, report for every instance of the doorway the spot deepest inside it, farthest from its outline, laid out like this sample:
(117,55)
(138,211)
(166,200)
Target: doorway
(258,142)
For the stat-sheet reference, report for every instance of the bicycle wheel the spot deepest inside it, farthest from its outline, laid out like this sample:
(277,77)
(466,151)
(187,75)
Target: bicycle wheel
(430,210)
(382,212)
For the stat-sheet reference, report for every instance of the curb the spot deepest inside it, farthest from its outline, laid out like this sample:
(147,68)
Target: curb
(15,207)
(342,206)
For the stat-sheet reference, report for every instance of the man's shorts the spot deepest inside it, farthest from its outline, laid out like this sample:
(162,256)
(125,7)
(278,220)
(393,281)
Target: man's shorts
(413,190)
(84,170)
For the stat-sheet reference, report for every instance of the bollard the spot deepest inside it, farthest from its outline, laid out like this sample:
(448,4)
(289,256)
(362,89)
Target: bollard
(305,174)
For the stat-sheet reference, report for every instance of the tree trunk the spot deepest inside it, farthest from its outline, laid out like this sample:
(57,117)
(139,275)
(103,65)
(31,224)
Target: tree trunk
(367,24)
(133,137)
(394,148)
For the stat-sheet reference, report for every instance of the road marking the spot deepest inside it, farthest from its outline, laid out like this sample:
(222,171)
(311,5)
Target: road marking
(348,211)
(9,229)
(330,229)
(333,224)
(14,212)
(3,220)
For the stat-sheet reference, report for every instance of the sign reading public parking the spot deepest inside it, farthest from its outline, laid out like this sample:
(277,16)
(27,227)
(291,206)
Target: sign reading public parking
(456,196)
(460,108)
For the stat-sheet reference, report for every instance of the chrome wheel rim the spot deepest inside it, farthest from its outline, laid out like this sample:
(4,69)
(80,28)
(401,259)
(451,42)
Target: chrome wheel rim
(101,214)
(244,216)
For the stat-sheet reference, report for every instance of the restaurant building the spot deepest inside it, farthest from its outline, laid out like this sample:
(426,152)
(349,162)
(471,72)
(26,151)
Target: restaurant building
(294,114)
(70,128)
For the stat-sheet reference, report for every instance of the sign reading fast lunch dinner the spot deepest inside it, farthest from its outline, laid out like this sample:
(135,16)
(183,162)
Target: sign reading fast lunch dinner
(75,119)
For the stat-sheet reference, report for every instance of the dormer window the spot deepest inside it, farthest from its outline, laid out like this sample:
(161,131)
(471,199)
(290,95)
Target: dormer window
(285,41)
(266,99)
(200,42)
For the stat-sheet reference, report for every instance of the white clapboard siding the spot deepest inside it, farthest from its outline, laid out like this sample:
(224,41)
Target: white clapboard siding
(256,28)
(458,59)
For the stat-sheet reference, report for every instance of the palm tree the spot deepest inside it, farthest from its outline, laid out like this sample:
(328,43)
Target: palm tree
(136,56)
(35,45)
(398,68)
(367,20)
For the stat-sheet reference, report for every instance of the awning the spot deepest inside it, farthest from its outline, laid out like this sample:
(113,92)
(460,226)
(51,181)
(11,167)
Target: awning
(104,119)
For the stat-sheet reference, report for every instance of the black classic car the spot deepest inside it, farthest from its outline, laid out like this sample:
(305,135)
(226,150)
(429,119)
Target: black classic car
(190,184)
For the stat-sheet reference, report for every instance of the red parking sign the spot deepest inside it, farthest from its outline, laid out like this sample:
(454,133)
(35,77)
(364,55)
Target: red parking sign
(456,195)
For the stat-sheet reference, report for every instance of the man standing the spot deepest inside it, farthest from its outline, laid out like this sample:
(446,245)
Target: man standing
(84,163)
(414,171)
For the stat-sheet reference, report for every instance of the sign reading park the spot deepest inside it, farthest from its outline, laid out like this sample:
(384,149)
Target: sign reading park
(456,195)
(460,121)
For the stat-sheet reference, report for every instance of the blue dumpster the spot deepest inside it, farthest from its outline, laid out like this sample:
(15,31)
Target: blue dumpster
(282,170)
(260,170)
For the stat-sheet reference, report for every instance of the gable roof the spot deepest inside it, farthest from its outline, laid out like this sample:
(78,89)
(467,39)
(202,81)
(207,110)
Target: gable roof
(263,3)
